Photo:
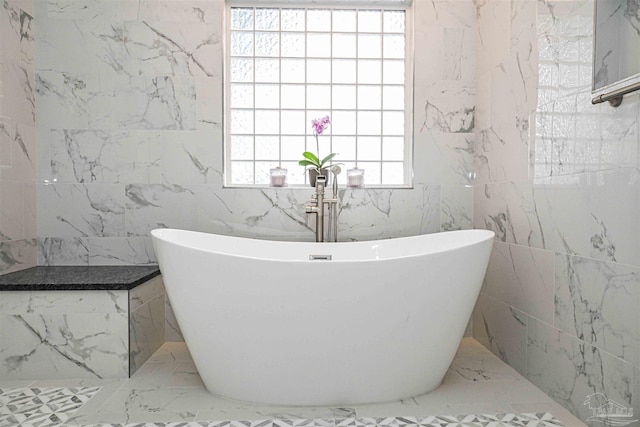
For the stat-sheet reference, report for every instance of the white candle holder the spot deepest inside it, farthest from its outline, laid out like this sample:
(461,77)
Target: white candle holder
(355,178)
(278,177)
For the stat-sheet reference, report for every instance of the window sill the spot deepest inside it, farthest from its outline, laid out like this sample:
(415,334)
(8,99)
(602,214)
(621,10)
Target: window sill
(308,187)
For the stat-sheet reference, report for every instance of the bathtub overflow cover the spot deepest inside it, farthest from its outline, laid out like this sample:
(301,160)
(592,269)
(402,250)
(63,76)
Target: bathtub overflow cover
(320,257)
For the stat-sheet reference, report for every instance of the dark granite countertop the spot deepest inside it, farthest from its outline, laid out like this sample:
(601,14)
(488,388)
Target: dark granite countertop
(65,278)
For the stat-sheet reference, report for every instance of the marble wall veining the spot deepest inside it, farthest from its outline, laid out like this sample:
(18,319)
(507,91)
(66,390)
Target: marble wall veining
(129,133)
(64,335)
(146,322)
(76,334)
(17,137)
(123,101)
(557,180)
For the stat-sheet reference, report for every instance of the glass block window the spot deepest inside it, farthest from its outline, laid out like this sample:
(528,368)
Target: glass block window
(287,66)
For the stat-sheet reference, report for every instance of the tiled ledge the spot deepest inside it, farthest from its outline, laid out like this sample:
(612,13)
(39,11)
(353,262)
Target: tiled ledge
(90,278)
(79,322)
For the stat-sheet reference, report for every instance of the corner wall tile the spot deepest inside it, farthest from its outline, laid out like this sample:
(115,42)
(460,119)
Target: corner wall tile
(453,40)
(636,389)
(6,144)
(483,103)
(145,292)
(43,155)
(17,255)
(448,107)
(524,32)
(444,158)
(446,13)
(563,215)
(508,208)
(18,151)
(514,86)
(433,20)
(503,330)
(557,178)
(494,34)
(522,277)
(428,38)
(457,204)
(146,327)
(172,330)
(570,370)
(614,233)
(16,62)
(13,210)
(597,302)
(502,155)
(30,210)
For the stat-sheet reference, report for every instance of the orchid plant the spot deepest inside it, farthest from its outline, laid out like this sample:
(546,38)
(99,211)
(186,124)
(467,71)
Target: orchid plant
(311,160)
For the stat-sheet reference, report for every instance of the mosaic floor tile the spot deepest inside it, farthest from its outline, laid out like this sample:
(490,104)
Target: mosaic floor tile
(54,406)
(42,407)
(495,420)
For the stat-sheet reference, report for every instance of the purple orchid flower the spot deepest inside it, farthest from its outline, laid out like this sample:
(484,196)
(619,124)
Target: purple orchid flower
(319,125)
(311,159)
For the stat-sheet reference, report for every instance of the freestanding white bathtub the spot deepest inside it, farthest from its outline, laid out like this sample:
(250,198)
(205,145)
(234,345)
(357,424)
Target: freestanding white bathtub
(380,321)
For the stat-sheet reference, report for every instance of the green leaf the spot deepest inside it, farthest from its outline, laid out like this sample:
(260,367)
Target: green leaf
(306,163)
(329,157)
(309,155)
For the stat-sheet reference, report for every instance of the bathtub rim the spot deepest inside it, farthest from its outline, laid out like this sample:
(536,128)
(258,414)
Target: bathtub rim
(483,236)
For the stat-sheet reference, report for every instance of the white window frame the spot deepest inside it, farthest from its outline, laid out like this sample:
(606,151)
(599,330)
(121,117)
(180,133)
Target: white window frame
(406,5)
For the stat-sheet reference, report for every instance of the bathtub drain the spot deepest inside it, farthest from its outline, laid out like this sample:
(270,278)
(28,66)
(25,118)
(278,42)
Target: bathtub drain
(320,257)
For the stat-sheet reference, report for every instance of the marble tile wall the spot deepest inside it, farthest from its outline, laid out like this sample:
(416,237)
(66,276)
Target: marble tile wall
(557,180)
(17,137)
(80,334)
(129,133)
(617,53)
(64,334)
(146,321)
(171,328)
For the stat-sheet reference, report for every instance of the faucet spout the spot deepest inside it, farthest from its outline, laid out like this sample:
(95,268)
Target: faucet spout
(317,206)
(321,181)
(333,206)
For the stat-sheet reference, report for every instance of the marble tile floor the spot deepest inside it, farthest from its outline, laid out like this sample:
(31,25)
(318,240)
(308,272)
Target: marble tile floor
(167,388)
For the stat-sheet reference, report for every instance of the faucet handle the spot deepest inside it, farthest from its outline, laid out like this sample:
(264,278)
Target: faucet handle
(309,218)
